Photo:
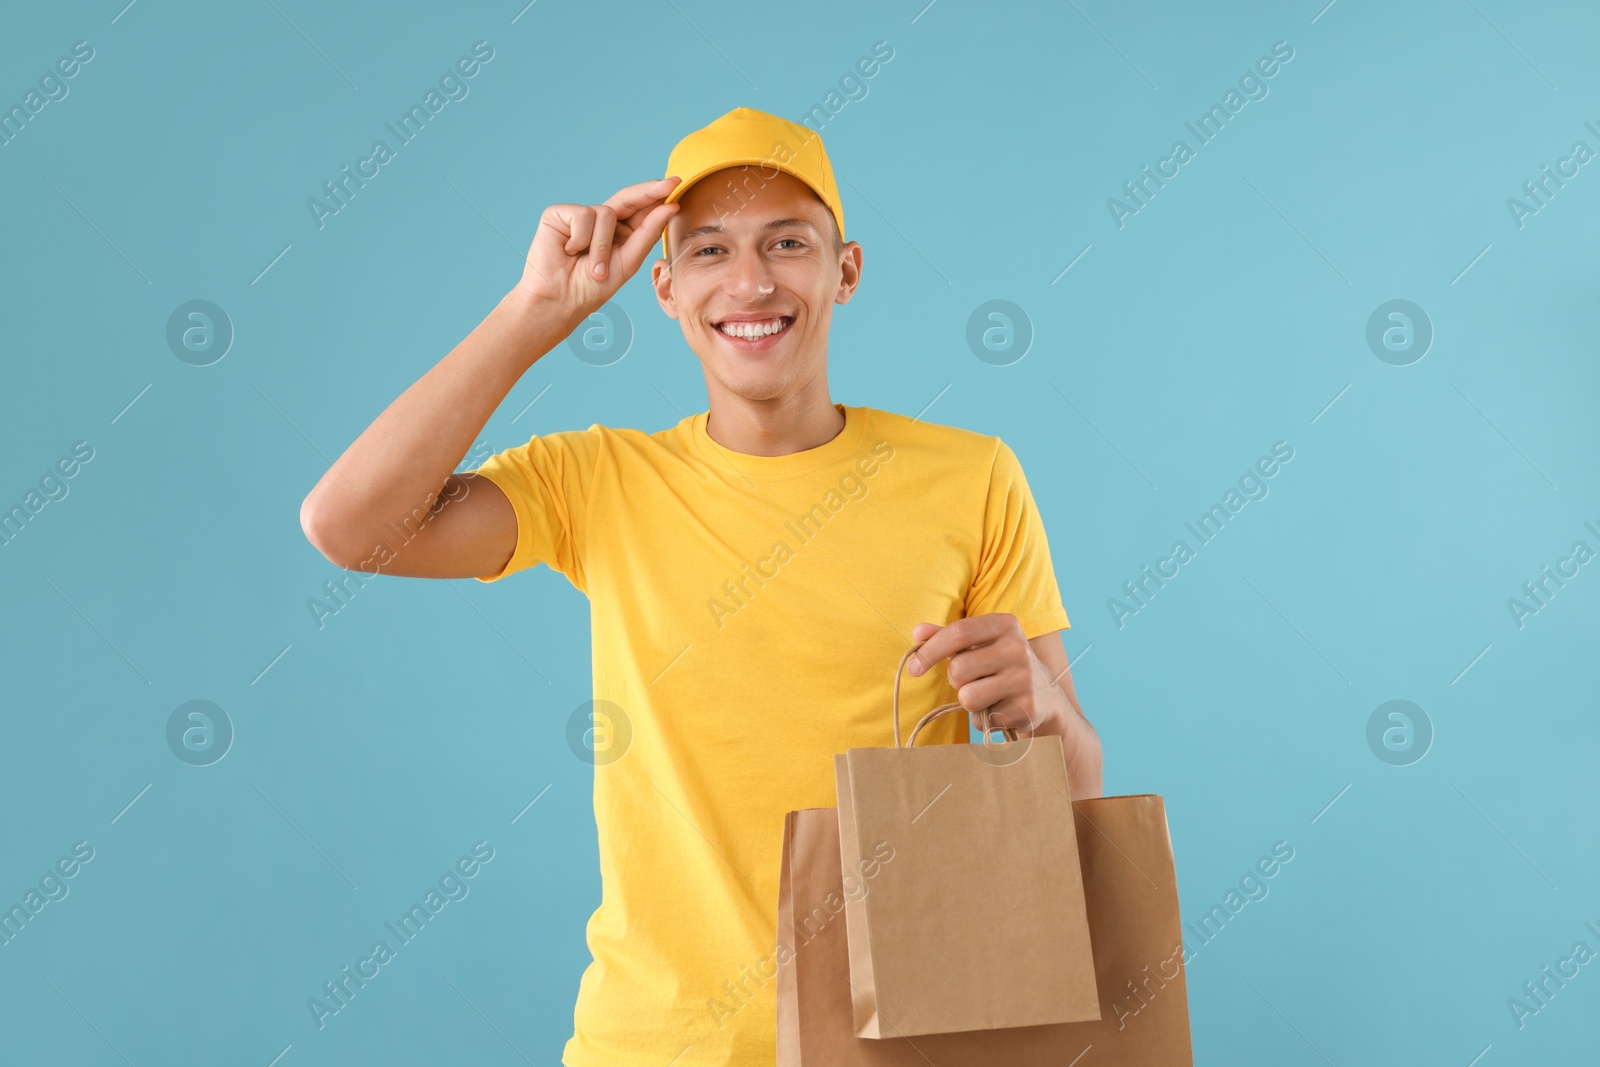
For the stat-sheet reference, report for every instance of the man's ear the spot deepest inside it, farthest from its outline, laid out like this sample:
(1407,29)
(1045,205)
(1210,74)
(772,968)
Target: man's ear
(849,273)
(661,282)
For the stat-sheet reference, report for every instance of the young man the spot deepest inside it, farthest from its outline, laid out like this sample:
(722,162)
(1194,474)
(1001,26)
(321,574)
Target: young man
(755,572)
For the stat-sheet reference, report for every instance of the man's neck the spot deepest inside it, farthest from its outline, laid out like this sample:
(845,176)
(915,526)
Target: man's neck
(779,427)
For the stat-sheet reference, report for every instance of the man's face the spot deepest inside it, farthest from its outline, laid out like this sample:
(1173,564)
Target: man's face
(752,250)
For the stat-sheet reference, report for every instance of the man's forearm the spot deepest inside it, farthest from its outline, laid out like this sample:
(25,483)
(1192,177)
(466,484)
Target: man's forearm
(1078,738)
(401,461)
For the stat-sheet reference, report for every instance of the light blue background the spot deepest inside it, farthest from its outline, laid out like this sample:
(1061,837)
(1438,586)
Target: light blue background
(1226,315)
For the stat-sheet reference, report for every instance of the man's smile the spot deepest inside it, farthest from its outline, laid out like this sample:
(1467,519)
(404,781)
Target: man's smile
(754,334)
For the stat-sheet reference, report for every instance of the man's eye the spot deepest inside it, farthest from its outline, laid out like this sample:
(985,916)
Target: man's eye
(790,240)
(707,248)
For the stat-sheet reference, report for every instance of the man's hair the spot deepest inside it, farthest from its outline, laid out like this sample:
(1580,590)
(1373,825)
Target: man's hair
(838,239)
(833,224)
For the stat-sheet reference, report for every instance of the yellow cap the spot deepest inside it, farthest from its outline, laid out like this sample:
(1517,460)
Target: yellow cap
(747,137)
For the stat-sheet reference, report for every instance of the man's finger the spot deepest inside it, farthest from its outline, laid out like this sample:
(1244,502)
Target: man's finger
(580,227)
(605,220)
(631,199)
(978,662)
(968,633)
(998,720)
(645,235)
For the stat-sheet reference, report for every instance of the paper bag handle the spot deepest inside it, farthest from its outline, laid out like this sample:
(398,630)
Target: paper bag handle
(943,709)
(988,728)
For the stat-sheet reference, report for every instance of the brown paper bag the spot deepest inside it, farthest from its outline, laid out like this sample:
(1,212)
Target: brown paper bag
(1126,858)
(979,923)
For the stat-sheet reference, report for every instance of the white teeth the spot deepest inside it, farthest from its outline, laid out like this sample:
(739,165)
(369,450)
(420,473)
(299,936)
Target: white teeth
(750,331)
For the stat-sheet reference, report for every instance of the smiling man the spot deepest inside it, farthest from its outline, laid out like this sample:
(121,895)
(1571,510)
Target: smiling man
(755,571)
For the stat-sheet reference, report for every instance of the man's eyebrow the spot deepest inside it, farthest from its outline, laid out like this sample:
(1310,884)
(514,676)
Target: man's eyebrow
(775,224)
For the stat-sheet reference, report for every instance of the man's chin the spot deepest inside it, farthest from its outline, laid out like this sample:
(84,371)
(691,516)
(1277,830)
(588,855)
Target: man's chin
(755,387)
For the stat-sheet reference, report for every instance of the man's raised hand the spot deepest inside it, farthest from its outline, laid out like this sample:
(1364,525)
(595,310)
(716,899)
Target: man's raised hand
(582,254)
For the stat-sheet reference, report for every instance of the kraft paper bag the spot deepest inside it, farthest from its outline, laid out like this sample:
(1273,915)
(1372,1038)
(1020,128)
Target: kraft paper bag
(980,921)
(1125,854)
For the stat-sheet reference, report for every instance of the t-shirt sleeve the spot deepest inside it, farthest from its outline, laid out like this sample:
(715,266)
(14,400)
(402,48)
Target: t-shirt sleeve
(548,481)
(1014,573)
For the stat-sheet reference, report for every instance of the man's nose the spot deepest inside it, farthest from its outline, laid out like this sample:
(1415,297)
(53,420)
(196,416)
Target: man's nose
(750,277)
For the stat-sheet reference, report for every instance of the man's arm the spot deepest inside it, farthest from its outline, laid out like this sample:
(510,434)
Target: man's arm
(399,473)
(1066,718)
(1025,683)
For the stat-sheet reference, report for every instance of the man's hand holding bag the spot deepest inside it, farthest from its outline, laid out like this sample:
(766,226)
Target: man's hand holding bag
(980,923)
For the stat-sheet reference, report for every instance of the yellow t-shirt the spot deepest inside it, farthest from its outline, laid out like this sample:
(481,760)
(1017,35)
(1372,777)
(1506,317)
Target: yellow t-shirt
(748,614)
